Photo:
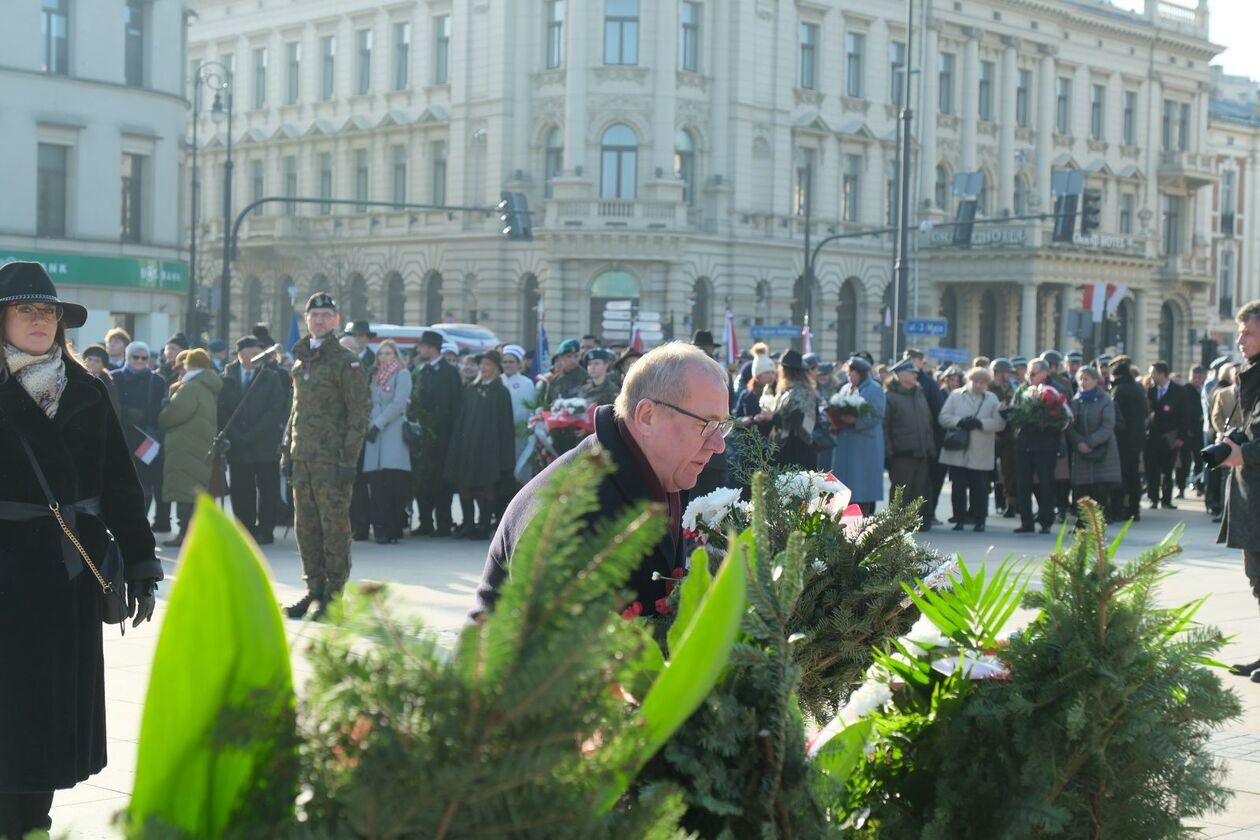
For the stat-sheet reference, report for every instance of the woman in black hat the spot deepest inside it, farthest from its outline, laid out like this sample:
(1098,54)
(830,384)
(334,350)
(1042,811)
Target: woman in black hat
(483,448)
(56,420)
(795,414)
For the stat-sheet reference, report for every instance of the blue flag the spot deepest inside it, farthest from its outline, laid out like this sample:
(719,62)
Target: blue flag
(295,334)
(542,354)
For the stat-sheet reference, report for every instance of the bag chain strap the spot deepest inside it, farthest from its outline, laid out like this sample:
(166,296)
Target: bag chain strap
(106,587)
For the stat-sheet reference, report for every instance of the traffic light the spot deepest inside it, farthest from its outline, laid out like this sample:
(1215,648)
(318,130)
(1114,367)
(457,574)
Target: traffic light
(1091,211)
(514,213)
(1064,217)
(963,222)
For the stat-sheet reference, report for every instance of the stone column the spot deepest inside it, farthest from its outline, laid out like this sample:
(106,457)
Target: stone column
(576,60)
(1009,81)
(720,71)
(1045,123)
(1151,101)
(970,98)
(1140,352)
(665,87)
(1028,319)
(927,110)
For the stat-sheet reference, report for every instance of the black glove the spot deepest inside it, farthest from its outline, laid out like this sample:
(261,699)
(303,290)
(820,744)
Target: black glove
(970,423)
(140,600)
(286,469)
(372,434)
(344,474)
(225,446)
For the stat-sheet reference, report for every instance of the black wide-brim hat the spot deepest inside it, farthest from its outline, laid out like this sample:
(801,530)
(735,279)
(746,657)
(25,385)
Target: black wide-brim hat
(792,361)
(28,282)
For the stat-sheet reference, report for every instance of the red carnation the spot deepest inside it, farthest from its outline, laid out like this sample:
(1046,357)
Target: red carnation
(662,606)
(633,611)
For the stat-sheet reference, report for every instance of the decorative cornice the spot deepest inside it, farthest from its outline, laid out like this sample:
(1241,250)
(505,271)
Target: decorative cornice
(1012,42)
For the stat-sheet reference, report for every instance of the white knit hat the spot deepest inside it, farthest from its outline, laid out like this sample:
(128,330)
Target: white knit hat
(514,350)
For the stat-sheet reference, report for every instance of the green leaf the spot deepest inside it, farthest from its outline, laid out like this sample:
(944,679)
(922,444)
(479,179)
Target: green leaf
(694,587)
(697,659)
(840,756)
(218,730)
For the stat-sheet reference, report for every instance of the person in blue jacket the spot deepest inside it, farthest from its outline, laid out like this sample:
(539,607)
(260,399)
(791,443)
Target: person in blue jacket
(858,459)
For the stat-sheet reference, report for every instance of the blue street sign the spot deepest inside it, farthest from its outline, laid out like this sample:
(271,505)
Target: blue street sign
(784,331)
(948,354)
(926,326)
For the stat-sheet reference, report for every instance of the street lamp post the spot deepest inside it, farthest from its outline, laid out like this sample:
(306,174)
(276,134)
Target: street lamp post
(190,321)
(902,263)
(217,77)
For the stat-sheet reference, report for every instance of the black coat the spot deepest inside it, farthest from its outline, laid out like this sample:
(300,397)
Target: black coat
(483,446)
(140,397)
(623,487)
(1170,414)
(256,432)
(52,681)
(1132,412)
(435,398)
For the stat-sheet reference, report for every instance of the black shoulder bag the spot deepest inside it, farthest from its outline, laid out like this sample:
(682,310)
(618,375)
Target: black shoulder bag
(957,439)
(110,573)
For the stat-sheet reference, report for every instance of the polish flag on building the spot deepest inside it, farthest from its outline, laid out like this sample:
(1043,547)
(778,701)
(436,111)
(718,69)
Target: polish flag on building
(1101,299)
(729,339)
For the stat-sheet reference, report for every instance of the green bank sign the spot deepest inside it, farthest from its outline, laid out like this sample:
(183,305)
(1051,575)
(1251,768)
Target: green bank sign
(124,272)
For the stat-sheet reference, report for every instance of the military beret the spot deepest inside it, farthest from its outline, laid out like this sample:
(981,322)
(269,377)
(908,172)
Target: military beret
(600,354)
(1001,363)
(321,300)
(569,345)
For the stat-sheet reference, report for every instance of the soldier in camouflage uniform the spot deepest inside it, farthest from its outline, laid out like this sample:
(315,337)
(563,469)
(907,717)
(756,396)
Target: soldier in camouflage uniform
(600,389)
(331,408)
(567,381)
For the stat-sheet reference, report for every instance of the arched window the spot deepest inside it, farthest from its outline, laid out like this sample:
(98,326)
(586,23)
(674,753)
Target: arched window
(554,161)
(357,305)
(433,298)
(685,164)
(619,162)
(701,304)
(615,285)
(530,298)
(395,299)
(943,187)
(847,319)
(1021,196)
(253,301)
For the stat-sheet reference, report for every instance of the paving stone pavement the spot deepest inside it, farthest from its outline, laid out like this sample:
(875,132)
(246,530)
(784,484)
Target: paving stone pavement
(435,580)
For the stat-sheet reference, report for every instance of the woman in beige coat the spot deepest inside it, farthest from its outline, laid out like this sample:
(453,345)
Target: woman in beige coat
(975,408)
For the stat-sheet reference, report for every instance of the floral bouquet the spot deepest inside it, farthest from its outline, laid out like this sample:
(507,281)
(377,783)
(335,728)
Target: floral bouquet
(708,519)
(570,413)
(847,405)
(1040,408)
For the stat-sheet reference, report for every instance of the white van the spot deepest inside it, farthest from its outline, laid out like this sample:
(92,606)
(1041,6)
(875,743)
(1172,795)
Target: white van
(464,336)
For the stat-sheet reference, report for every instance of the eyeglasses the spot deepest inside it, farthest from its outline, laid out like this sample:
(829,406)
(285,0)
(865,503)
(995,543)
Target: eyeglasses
(711,426)
(29,312)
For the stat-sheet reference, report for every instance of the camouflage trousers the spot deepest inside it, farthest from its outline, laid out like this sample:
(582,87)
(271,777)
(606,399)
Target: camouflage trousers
(321,523)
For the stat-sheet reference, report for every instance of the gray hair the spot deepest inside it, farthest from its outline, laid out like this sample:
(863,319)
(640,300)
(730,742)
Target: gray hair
(138,345)
(1039,364)
(661,374)
(1249,312)
(979,373)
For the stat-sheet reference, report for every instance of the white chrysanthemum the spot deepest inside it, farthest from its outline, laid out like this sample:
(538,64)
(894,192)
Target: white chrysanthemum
(849,401)
(819,566)
(711,509)
(872,695)
(924,636)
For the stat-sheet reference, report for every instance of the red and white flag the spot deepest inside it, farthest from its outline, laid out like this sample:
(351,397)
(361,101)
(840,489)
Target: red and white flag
(807,340)
(729,339)
(148,450)
(1115,294)
(636,339)
(1097,299)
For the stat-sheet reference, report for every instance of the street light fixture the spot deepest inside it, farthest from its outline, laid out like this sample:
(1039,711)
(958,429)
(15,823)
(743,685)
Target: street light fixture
(217,77)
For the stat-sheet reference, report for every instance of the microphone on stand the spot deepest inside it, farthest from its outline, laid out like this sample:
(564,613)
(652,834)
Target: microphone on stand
(275,348)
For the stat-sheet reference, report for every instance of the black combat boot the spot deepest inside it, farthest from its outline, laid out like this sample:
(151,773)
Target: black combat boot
(299,609)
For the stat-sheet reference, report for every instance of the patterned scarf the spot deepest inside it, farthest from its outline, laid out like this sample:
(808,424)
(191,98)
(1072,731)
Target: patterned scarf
(43,377)
(384,370)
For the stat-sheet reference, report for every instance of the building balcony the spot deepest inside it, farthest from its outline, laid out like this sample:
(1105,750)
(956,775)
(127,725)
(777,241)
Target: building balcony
(1185,269)
(1189,170)
(617,213)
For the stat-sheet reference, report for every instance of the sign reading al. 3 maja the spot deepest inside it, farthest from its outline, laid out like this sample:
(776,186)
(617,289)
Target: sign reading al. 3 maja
(124,272)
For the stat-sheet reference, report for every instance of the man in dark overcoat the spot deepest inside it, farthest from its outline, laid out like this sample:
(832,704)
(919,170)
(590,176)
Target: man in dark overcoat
(435,401)
(1240,527)
(1168,432)
(1132,413)
(669,420)
(253,454)
(140,395)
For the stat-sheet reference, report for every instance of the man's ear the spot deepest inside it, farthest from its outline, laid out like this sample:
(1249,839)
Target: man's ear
(644,414)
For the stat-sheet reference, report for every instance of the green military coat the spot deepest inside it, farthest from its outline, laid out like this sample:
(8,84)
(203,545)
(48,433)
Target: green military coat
(331,404)
(605,393)
(190,421)
(563,386)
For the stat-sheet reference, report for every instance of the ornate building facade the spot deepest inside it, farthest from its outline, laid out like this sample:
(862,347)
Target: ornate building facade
(667,149)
